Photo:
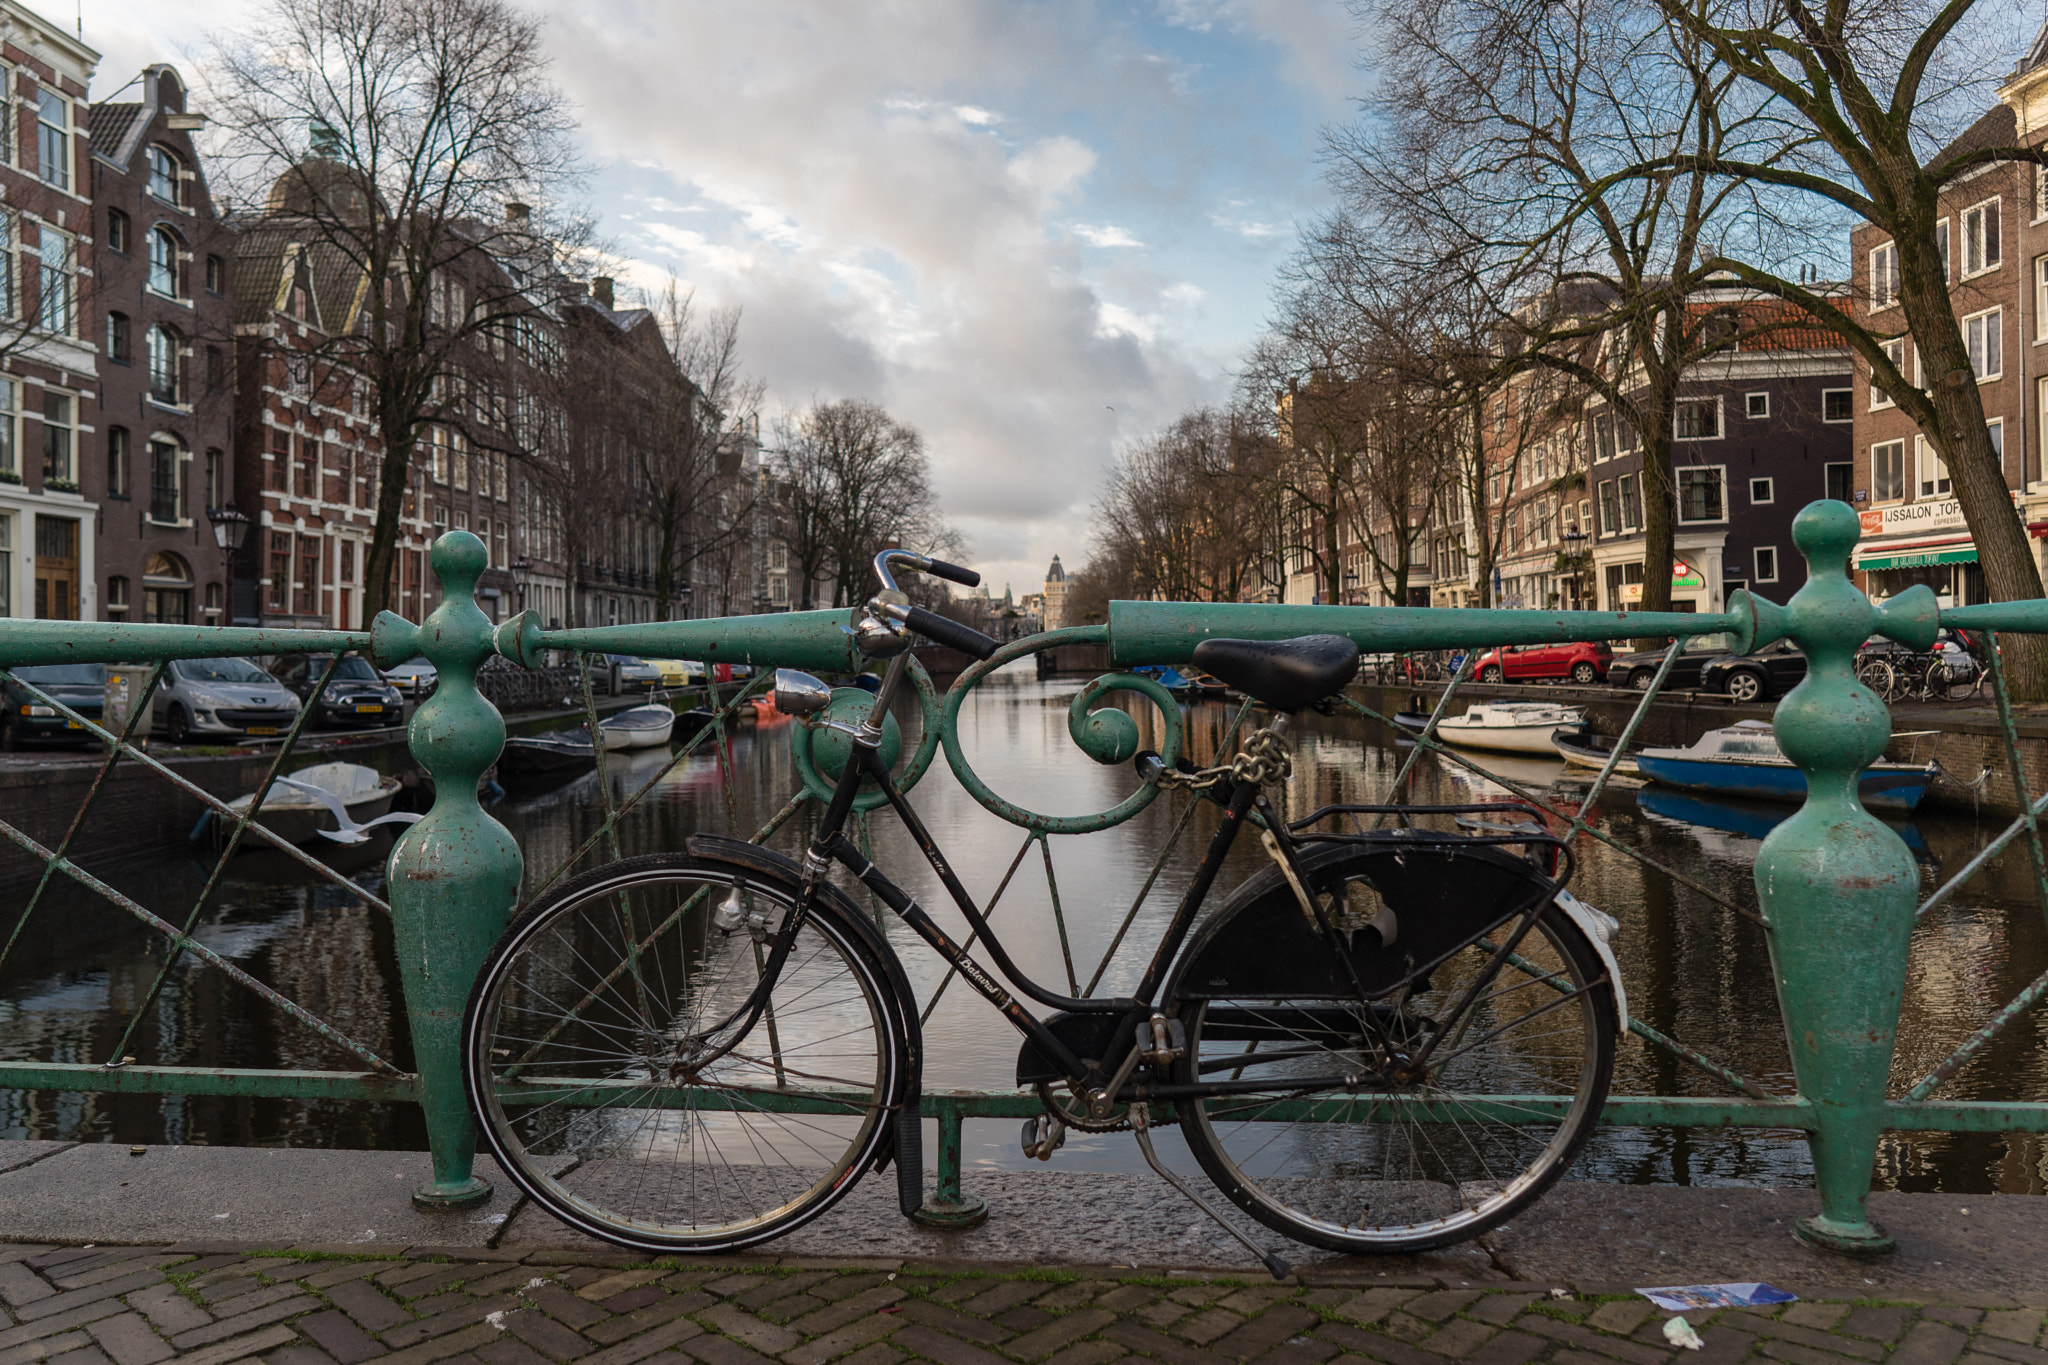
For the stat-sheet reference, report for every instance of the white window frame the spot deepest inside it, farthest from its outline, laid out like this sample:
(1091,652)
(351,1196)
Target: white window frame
(1756,405)
(1877,492)
(1758,557)
(1884,276)
(10,433)
(1984,340)
(1944,247)
(1629,489)
(1848,406)
(48,236)
(176,198)
(64,132)
(2040,193)
(1995,431)
(179,266)
(2041,295)
(1895,351)
(1983,251)
(1720,473)
(1931,478)
(1720,419)
(1770,487)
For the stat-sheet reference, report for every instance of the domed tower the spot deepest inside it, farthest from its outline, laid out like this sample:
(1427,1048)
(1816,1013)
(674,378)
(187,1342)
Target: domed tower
(1055,595)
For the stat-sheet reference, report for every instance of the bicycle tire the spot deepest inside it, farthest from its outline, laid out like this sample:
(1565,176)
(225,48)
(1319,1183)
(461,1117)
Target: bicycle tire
(1936,682)
(643,1150)
(1880,677)
(1368,1178)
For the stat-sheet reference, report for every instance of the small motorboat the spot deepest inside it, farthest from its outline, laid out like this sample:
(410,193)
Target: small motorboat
(1581,748)
(555,753)
(637,727)
(1507,727)
(327,801)
(689,722)
(1744,760)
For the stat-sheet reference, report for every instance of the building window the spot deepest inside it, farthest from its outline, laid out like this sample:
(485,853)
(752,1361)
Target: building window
(1983,337)
(483,533)
(167,590)
(1603,438)
(166,175)
(117,338)
(1631,502)
(1698,419)
(1766,563)
(1941,250)
(216,370)
(216,472)
(1884,276)
(117,596)
(166,261)
(2041,294)
(280,571)
(308,585)
(166,471)
(117,462)
(500,545)
(1840,479)
(1895,355)
(1700,494)
(1888,471)
(56,281)
(1835,405)
(214,598)
(117,231)
(1756,405)
(1980,239)
(165,366)
(437,455)
(53,138)
(1934,479)
(1994,431)
(1761,491)
(59,441)
(274,466)
(216,275)
(305,473)
(10,466)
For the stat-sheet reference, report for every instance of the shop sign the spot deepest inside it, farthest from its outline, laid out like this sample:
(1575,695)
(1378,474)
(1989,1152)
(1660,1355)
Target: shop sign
(1913,518)
(1683,575)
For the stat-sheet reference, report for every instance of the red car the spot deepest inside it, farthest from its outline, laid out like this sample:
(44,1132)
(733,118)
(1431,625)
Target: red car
(1582,663)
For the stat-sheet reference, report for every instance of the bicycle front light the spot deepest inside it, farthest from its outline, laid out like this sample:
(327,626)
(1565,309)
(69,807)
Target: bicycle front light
(800,694)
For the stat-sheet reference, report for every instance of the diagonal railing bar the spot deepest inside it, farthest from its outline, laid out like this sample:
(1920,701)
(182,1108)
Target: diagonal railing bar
(1694,1057)
(229,848)
(201,951)
(2008,730)
(608,829)
(1059,917)
(215,805)
(99,781)
(987,912)
(1187,813)
(1982,1038)
(1399,794)
(1628,732)
(1983,858)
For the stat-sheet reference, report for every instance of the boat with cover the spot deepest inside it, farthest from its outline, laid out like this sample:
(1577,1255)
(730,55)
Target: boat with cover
(557,752)
(1508,727)
(637,727)
(1744,760)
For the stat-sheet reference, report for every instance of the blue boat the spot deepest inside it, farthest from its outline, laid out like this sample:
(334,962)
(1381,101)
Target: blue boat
(1744,760)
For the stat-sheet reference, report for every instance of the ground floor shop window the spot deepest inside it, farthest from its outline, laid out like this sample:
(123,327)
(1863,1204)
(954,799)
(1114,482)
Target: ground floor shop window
(167,590)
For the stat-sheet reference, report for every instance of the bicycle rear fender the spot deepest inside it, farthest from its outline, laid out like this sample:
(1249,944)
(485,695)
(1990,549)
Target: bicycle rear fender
(905,1143)
(1444,892)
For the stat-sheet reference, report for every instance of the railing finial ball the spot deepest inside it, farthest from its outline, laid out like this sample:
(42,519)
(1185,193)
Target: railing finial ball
(1826,533)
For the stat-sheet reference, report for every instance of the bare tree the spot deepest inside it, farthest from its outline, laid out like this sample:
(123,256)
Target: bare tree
(428,119)
(1182,515)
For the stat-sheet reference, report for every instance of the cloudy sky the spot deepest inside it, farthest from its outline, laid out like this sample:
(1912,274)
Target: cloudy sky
(1033,229)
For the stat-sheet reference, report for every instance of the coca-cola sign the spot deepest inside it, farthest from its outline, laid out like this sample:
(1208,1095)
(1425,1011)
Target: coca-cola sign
(1914,518)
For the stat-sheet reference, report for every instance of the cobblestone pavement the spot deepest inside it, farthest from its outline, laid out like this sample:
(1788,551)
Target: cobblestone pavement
(209,1304)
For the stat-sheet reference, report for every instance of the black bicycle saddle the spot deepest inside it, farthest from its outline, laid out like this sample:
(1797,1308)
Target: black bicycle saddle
(1286,675)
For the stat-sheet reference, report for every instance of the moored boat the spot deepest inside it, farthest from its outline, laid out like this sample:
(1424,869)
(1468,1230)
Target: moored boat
(1581,748)
(559,751)
(1744,760)
(300,810)
(1508,727)
(637,727)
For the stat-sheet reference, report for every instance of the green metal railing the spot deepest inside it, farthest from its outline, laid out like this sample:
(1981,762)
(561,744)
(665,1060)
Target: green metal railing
(1837,890)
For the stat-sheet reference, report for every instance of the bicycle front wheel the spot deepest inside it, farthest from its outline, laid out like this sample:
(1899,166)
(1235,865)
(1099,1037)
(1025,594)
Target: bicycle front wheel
(1518,1060)
(609,1061)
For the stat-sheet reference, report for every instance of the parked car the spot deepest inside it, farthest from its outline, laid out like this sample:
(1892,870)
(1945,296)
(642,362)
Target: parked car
(221,697)
(624,673)
(355,696)
(82,687)
(1638,668)
(1760,676)
(678,672)
(1579,661)
(415,677)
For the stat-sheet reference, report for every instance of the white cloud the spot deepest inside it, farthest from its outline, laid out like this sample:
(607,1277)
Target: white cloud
(1105,235)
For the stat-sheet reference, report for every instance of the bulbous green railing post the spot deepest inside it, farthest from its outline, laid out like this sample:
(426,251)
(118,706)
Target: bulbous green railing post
(454,876)
(1837,888)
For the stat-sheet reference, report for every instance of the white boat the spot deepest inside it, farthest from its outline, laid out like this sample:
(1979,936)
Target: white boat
(1507,727)
(638,727)
(1579,748)
(311,802)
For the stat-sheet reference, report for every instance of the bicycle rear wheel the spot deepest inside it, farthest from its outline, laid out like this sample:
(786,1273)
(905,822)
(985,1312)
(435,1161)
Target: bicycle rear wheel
(592,1052)
(1879,677)
(1520,1067)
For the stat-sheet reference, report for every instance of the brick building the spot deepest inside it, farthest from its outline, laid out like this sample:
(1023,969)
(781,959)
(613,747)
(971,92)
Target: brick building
(162,311)
(49,389)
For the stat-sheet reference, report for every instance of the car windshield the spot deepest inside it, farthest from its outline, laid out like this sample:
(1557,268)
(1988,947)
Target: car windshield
(416,664)
(1719,642)
(222,671)
(75,675)
(354,668)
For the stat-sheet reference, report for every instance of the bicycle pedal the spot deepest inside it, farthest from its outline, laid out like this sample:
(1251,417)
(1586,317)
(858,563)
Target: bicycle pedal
(1043,1135)
(1169,1042)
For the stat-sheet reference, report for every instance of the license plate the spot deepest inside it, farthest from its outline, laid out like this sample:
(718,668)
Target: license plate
(73,725)
(369,710)
(263,729)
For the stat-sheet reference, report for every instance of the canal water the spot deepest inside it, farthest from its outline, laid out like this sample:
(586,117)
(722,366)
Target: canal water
(76,974)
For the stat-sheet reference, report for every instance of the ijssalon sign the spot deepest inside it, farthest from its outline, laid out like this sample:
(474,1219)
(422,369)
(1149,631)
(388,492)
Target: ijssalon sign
(1916,518)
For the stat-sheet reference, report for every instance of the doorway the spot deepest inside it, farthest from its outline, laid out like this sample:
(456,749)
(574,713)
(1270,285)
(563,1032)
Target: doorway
(56,568)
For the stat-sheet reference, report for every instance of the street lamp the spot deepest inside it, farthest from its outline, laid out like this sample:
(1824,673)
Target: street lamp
(519,567)
(230,529)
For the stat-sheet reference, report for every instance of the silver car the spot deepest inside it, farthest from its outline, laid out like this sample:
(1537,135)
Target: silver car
(221,697)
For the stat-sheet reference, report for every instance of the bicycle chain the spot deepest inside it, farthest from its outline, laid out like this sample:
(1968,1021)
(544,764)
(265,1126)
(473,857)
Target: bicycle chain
(1263,761)
(1080,1123)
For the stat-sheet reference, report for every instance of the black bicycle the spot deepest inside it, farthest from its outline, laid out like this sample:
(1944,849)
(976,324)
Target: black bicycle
(1384,1040)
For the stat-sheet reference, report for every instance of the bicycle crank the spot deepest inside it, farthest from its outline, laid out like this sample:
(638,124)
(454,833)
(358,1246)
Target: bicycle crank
(1043,1135)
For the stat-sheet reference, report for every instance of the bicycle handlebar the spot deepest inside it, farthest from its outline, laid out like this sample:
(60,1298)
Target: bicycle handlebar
(946,631)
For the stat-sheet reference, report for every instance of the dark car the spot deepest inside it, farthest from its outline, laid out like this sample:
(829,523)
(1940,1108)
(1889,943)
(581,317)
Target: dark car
(1637,670)
(1760,676)
(355,696)
(82,687)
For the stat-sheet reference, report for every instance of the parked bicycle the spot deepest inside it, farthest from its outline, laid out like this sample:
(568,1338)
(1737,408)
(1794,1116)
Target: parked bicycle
(1382,1041)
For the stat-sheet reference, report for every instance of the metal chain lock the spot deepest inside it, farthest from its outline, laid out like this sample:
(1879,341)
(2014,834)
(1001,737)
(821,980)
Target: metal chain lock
(1263,761)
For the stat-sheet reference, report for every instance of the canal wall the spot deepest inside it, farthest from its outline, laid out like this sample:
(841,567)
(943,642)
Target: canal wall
(1967,741)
